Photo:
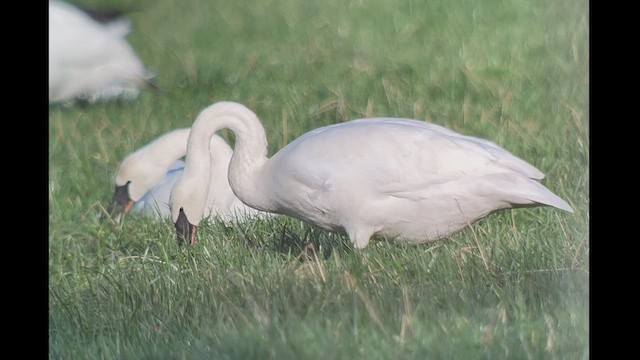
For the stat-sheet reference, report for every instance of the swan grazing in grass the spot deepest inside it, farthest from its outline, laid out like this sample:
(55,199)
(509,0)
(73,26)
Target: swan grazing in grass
(146,176)
(395,178)
(89,60)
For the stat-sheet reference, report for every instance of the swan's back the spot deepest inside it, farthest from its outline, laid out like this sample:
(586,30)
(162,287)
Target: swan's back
(410,144)
(89,60)
(155,202)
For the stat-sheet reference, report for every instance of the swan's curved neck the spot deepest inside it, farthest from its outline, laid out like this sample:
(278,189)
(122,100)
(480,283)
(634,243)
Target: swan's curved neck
(168,148)
(149,164)
(250,151)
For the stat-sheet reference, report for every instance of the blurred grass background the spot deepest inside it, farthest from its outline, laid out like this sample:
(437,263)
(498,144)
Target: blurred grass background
(514,285)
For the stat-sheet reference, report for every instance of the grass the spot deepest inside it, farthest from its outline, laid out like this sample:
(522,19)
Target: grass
(514,285)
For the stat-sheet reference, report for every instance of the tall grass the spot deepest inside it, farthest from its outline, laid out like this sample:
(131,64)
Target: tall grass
(513,285)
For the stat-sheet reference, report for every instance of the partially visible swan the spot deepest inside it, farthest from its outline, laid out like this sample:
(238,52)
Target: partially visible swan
(89,60)
(400,179)
(146,176)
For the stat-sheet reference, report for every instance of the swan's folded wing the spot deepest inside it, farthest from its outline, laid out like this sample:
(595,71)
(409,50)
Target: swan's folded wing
(493,190)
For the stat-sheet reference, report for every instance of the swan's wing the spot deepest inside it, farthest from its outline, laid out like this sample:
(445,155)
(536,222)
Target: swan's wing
(156,201)
(396,148)
(442,137)
(492,191)
(386,156)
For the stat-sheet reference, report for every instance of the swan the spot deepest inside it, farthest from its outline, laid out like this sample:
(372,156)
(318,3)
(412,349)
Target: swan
(90,60)
(400,179)
(145,177)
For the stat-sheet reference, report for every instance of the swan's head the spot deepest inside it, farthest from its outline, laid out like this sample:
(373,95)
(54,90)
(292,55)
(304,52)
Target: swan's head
(128,188)
(187,203)
(121,203)
(136,176)
(185,231)
(141,170)
(132,182)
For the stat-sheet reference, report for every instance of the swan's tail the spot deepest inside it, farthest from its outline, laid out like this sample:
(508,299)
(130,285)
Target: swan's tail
(519,191)
(535,192)
(546,197)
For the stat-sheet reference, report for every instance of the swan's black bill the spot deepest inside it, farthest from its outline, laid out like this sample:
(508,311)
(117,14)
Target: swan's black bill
(120,203)
(186,232)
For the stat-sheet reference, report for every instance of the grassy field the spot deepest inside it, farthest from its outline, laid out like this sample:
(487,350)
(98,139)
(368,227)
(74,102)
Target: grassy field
(512,286)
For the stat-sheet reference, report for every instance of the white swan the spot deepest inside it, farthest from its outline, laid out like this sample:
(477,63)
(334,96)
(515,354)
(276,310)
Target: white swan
(89,60)
(145,178)
(395,178)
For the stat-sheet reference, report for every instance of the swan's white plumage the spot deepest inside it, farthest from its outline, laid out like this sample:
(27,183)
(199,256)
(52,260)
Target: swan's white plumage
(89,60)
(152,170)
(396,178)
(155,202)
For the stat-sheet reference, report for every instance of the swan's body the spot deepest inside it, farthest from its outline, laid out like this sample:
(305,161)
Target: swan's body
(155,202)
(396,178)
(89,60)
(145,179)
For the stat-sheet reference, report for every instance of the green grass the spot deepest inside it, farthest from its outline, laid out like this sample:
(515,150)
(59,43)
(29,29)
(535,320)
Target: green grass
(512,286)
